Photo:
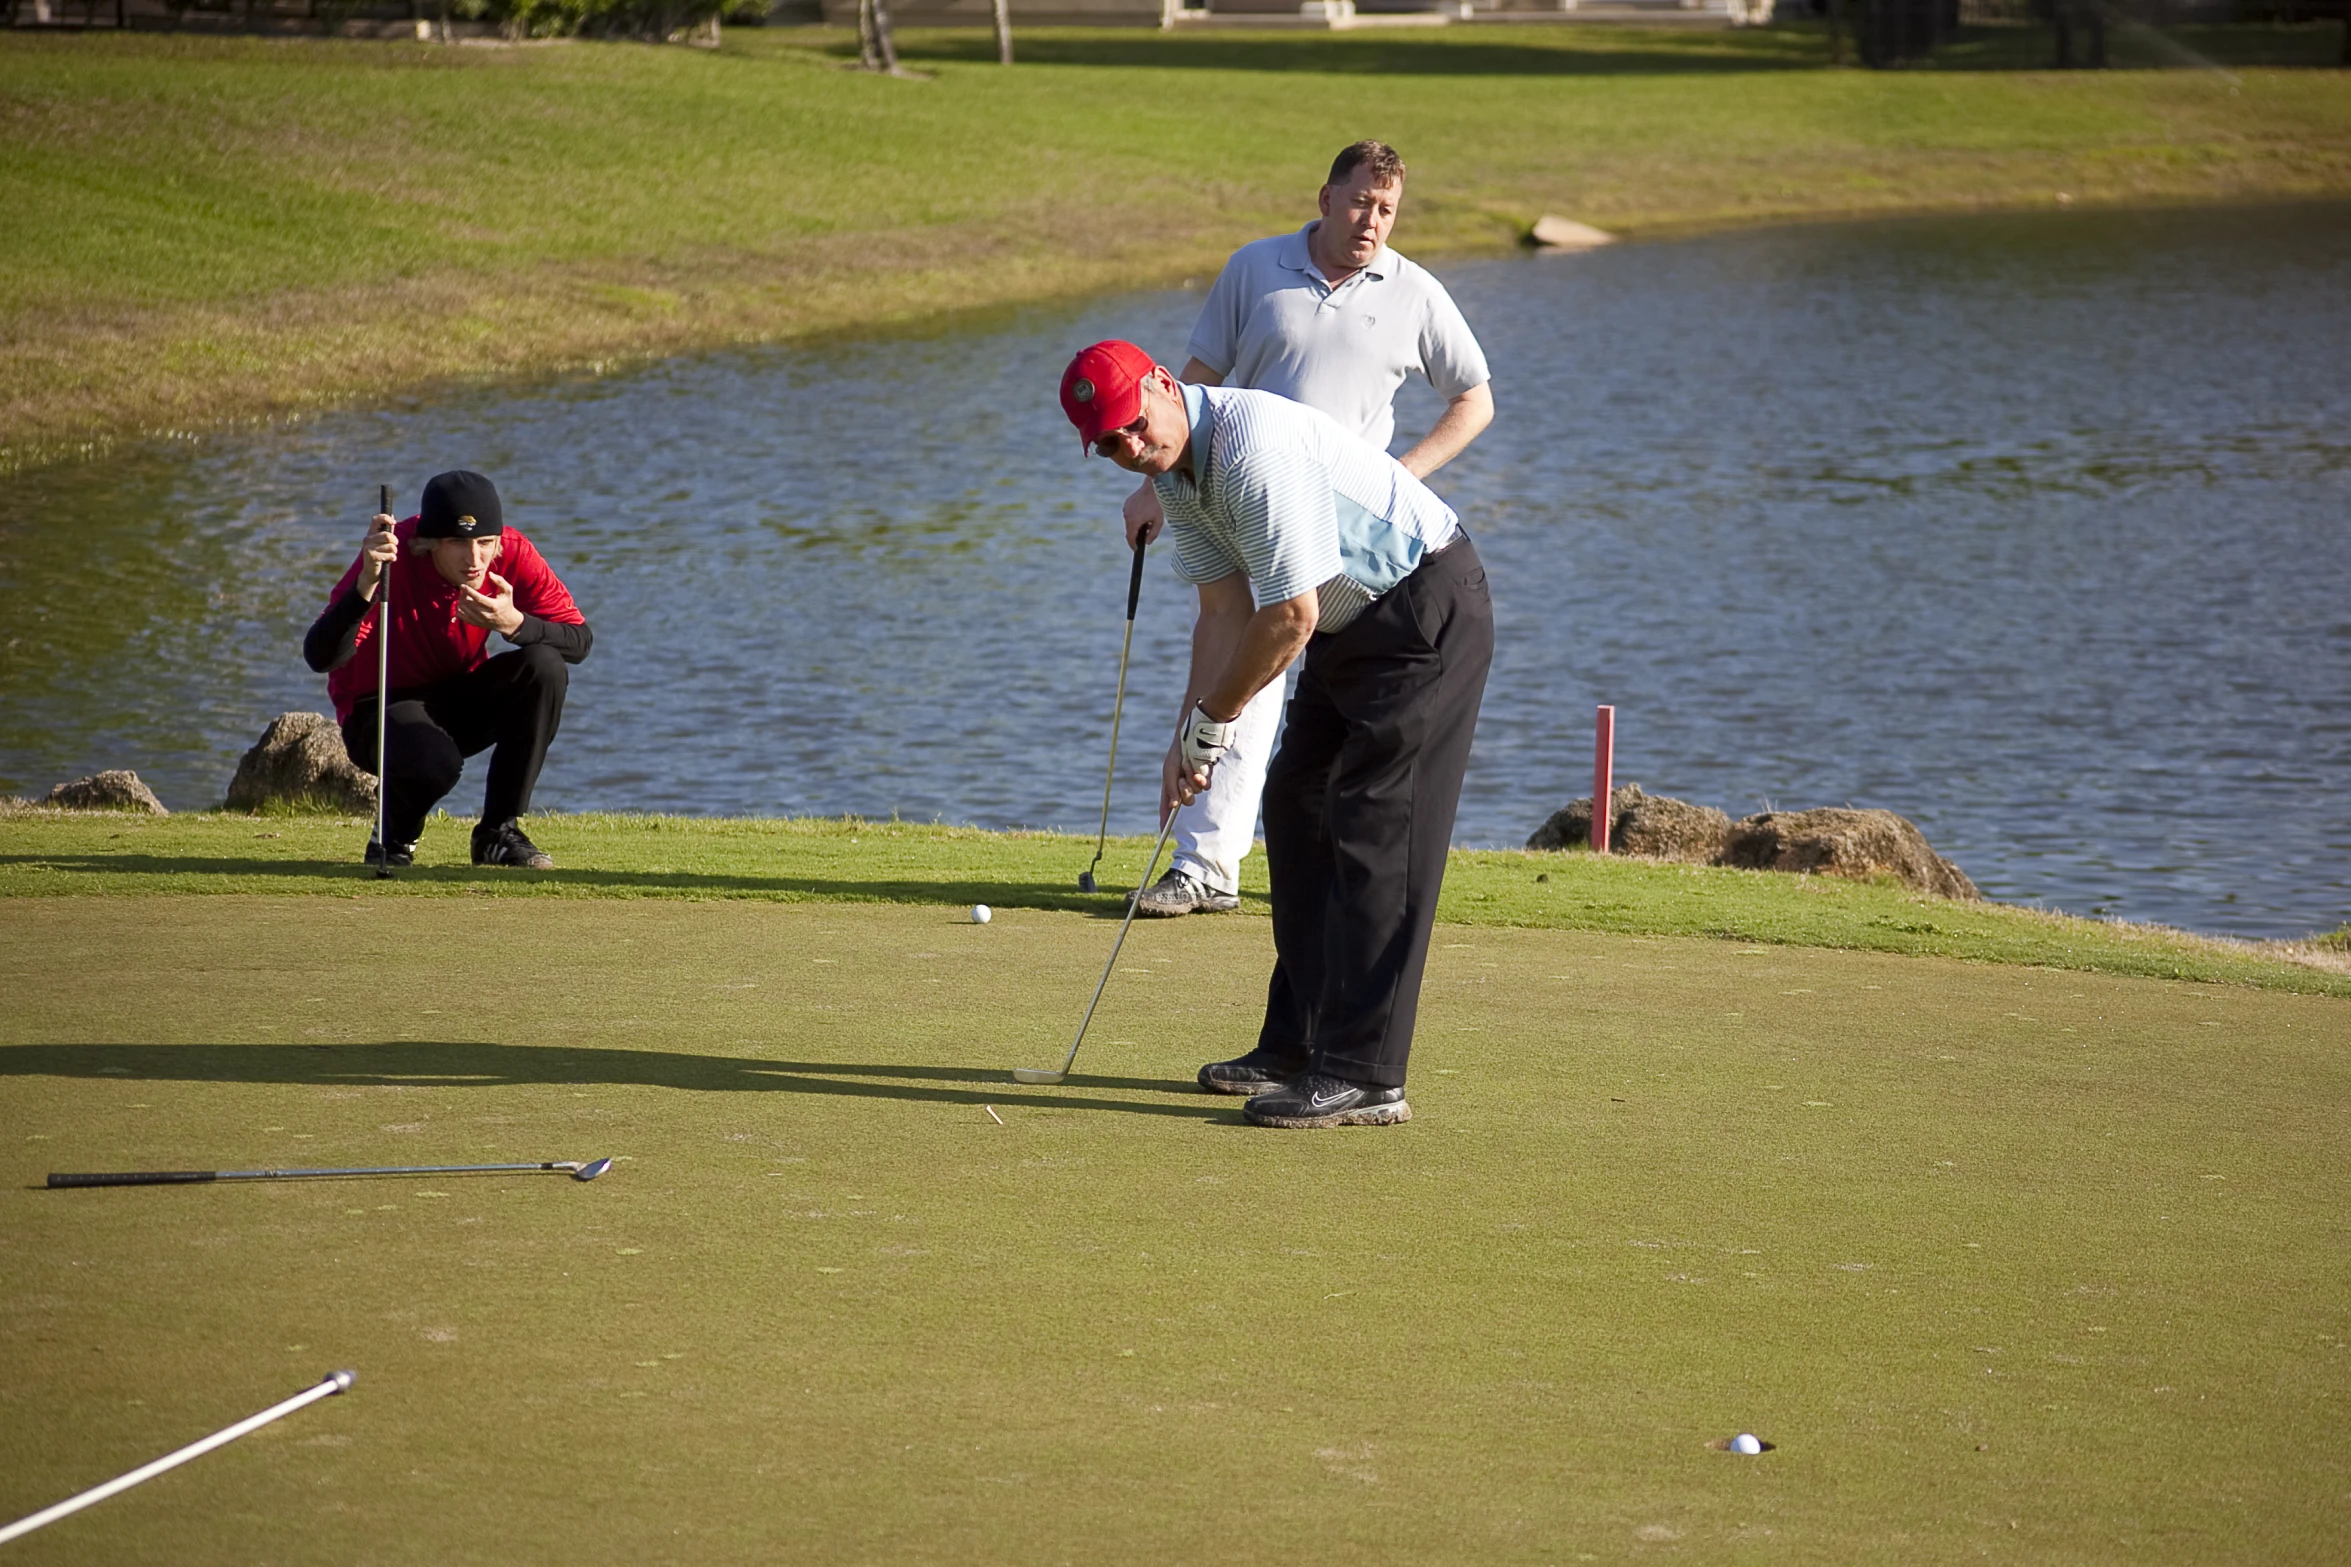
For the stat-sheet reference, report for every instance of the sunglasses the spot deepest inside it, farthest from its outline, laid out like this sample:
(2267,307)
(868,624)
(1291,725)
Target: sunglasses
(1111,442)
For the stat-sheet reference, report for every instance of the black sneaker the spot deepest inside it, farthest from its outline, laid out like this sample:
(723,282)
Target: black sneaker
(1255,1073)
(502,843)
(1180,892)
(1319,1099)
(398,855)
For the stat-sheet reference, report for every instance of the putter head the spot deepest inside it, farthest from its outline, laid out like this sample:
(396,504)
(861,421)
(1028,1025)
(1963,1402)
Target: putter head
(592,1169)
(1086,882)
(1036,1074)
(383,873)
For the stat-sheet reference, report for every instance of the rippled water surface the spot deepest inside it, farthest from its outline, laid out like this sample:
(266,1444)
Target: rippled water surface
(2032,529)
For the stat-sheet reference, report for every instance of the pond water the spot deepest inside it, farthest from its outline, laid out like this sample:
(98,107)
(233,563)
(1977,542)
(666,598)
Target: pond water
(2030,528)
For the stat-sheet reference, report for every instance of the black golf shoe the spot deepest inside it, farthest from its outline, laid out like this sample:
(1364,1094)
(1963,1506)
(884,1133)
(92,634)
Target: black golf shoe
(502,843)
(397,856)
(1260,1071)
(1319,1099)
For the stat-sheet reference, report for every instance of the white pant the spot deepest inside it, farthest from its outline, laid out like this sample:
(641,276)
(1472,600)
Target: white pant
(1213,833)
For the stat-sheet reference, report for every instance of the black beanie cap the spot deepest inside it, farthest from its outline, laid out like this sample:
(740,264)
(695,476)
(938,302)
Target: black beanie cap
(459,504)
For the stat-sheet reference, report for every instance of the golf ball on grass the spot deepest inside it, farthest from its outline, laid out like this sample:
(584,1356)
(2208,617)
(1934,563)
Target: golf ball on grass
(1745,1442)
(981,914)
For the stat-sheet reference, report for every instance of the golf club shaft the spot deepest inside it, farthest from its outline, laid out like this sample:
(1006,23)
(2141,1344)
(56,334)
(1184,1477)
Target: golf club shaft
(383,691)
(191,1177)
(1134,901)
(334,1384)
(1118,704)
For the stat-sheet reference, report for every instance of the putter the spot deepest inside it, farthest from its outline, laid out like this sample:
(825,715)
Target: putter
(338,1382)
(574,1168)
(383,845)
(1086,881)
(1038,1074)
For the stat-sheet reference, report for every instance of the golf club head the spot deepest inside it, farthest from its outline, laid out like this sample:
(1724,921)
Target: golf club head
(1086,882)
(1036,1074)
(383,873)
(592,1169)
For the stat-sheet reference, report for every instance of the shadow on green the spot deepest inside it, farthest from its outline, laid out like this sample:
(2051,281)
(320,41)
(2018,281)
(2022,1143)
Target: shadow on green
(453,1064)
(1107,905)
(1431,52)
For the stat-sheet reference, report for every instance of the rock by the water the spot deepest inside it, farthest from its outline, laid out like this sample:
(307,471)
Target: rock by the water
(1553,232)
(1654,826)
(1862,845)
(300,761)
(114,790)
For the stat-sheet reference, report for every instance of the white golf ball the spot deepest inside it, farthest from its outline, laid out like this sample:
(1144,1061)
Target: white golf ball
(981,914)
(1745,1442)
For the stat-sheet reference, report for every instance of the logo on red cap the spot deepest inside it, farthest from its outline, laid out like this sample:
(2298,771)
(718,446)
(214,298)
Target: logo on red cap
(1102,390)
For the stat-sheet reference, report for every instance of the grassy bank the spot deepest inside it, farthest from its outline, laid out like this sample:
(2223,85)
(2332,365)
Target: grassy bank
(2007,1264)
(203,231)
(48,854)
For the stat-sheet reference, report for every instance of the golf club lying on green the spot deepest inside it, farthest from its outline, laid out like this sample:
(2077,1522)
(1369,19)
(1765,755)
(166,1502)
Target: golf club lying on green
(574,1168)
(1038,1074)
(336,1382)
(1086,882)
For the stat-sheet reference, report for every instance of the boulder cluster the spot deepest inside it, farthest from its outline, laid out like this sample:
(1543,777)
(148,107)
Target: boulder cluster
(1832,841)
(299,762)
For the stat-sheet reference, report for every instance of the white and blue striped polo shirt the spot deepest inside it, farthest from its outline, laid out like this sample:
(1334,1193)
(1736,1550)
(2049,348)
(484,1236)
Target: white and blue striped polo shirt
(1287,496)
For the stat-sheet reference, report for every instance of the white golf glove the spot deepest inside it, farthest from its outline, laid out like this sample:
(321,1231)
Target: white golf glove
(1204,741)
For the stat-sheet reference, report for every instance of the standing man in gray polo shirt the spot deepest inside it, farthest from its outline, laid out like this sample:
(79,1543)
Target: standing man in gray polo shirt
(1332,318)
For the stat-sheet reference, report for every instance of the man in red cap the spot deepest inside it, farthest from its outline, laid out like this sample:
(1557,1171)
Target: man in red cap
(451,698)
(1301,537)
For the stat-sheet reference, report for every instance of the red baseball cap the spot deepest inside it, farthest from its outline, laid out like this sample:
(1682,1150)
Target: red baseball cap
(1102,390)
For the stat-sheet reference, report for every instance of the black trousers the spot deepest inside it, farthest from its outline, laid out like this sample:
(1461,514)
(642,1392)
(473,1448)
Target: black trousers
(1359,804)
(513,703)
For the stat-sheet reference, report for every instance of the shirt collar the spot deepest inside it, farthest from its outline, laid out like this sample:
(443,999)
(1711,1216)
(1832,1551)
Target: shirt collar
(1203,429)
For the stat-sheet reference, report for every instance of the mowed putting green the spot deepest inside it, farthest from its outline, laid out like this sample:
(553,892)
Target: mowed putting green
(2007,1262)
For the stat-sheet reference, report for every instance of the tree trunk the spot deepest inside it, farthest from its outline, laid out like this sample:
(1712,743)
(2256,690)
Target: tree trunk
(881,36)
(1003,32)
(868,57)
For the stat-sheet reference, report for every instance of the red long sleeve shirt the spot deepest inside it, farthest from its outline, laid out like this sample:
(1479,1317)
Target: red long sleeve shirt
(429,642)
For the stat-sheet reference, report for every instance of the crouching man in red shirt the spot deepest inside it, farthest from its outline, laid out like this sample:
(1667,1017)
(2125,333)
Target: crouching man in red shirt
(450,698)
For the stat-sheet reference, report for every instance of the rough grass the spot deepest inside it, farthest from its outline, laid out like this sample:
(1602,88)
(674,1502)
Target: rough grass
(208,230)
(52,853)
(2007,1263)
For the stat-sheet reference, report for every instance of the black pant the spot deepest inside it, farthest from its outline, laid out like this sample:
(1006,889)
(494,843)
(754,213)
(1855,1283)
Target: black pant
(1359,804)
(514,702)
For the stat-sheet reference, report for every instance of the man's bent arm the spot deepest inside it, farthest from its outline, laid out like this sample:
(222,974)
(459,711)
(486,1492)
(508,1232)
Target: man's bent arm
(1463,419)
(571,642)
(331,638)
(1237,652)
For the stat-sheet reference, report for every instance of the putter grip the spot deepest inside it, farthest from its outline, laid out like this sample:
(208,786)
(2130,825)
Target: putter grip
(135,1178)
(1135,581)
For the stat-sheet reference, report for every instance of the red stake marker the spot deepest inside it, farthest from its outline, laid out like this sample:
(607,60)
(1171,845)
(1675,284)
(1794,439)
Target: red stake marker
(1603,774)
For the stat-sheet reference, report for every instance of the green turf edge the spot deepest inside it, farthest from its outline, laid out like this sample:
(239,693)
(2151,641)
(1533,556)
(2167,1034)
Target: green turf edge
(49,853)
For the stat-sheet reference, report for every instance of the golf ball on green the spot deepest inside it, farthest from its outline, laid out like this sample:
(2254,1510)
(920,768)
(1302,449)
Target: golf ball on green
(1745,1442)
(981,914)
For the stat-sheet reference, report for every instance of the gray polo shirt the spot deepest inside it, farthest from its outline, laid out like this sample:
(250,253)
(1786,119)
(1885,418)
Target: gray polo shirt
(1274,324)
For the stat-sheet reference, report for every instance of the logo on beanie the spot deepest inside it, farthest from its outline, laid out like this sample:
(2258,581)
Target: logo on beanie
(466,525)
(1083,391)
